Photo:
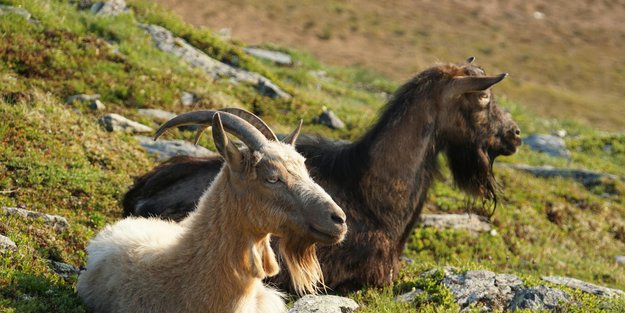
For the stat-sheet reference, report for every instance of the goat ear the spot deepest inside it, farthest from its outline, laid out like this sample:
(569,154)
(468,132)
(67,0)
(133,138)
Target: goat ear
(225,147)
(470,60)
(292,137)
(462,85)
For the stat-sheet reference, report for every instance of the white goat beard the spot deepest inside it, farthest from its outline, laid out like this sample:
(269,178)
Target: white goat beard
(301,259)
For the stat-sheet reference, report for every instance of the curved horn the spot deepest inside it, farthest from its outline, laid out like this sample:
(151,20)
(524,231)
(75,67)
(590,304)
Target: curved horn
(233,124)
(292,137)
(254,120)
(466,84)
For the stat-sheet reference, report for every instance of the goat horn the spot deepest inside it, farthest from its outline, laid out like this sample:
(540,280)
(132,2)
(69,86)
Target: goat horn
(292,137)
(233,124)
(475,83)
(254,120)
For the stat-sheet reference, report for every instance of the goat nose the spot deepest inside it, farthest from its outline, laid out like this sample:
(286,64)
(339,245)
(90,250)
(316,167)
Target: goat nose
(337,219)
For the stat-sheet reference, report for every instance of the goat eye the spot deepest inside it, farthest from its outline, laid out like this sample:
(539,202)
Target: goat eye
(272,180)
(484,96)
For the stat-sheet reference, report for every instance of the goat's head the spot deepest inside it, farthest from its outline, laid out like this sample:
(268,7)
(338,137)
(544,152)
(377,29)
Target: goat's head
(272,183)
(473,128)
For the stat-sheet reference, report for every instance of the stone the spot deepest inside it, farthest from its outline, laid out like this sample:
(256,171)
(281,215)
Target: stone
(470,222)
(82,98)
(109,8)
(539,298)
(409,296)
(329,119)
(586,177)
(188,98)
(116,123)
(166,149)
(483,287)
(168,43)
(7,9)
(549,144)
(97,105)
(276,57)
(324,304)
(157,115)
(59,223)
(6,244)
(620,259)
(584,286)
(62,269)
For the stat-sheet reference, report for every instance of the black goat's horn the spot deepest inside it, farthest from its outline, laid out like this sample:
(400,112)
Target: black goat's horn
(254,120)
(233,124)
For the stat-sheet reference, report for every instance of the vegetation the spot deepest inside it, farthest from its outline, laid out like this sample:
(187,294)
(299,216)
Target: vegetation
(55,158)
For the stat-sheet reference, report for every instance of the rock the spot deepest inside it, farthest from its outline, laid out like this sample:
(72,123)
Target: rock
(116,123)
(157,115)
(552,145)
(166,41)
(62,269)
(7,9)
(584,286)
(408,296)
(109,8)
(620,259)
(324,304)
(225,33)
(586,177)
(276,57)
(59,223)
(81,97)
(483,287)
(166,149)
(539,298)
(97,105)
(188,98)
(329,119)
(470,222)
(6,244)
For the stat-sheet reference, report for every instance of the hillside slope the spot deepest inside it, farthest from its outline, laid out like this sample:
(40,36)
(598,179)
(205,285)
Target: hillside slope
(56,158)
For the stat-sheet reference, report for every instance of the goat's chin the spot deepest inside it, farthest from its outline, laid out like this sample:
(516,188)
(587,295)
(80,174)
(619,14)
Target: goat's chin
(300,255)
(472,171)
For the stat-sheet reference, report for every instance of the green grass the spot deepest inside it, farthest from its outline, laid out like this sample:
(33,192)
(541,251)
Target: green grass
(54,158)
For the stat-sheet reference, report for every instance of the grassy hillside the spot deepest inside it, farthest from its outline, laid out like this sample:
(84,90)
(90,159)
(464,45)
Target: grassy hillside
(55,158)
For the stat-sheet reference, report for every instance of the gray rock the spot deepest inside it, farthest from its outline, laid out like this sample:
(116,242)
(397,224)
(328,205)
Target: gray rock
(81,97)
(109,8)
(539,298)
(59,223)
(157,115)
(552,145)
(62,269)
(586,177)
(167,42)
(166,149)
(482,287)
(329,119)
(469,222)
(7,9)
(324,304)
(408,296)
(188,98)
(276,57)
(97,105)
(620,259)
(116,123)
(584,286)
(6,244)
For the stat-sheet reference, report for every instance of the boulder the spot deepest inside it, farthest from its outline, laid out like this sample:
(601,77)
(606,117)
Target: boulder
(6,244)
(408,296)
(470,222)
(109,8)
(157,115)
(549,144)
(116,123)
(97,105)
(324,304)
(329,119)
(620,259)
(62,269)
(7,9)
(188,98)
(586,177)
(59,223)
(166,149)
(482,287)
(539,298)
(584,286)
(82,98)
(276,57)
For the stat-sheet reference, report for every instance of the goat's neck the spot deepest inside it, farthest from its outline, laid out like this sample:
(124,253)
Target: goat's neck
(218,255)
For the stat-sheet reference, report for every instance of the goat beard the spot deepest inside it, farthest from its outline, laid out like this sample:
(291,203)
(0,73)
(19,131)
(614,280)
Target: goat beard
(472,169)
(300,256)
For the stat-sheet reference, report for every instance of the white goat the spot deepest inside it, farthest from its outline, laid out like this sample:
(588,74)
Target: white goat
(215,259)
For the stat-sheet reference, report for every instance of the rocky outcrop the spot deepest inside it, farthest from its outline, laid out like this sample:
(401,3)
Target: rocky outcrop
(167,42)
(59,223)
(584,286)
(549,144)
(586,177)
(324,304)
(166,149)
(481,287)
(539,298)
(6,244)
(116,123)
(470,222)
(276,57)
